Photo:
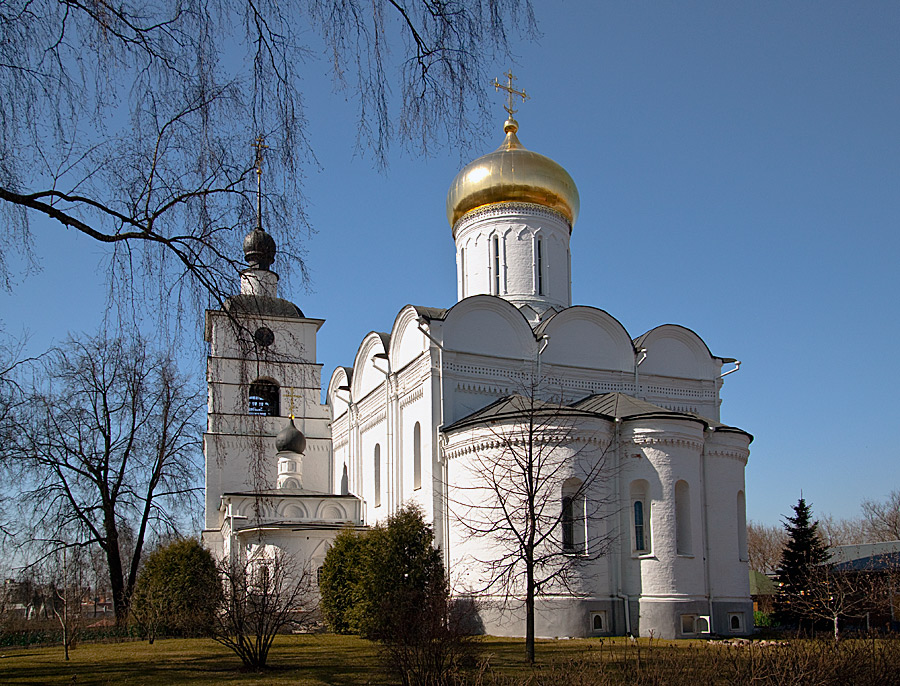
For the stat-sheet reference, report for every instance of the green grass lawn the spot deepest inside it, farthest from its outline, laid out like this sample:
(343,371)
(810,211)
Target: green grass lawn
(307,660)
(314,660)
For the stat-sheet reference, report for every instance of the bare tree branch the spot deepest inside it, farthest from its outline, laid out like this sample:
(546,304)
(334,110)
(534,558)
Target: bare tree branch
(131,123)
(103,450)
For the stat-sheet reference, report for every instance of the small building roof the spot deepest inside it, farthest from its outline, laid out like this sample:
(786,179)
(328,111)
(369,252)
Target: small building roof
(866,556)
(760,584)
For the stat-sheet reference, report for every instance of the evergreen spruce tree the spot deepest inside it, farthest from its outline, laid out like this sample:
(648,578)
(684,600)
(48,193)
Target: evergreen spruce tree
(803,551)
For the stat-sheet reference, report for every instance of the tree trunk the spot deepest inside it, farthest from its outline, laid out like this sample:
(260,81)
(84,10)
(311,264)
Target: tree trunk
(529,613)
(837,635)
(116,575)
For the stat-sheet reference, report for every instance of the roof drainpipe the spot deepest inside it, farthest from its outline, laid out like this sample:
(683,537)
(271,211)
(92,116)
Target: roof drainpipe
(705,510)
(737,366)
(617,426)
(639,356)
(544,340)
(438,443)
(391,494)
(625,600)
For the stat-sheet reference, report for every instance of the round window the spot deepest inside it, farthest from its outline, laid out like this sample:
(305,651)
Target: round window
(264,337)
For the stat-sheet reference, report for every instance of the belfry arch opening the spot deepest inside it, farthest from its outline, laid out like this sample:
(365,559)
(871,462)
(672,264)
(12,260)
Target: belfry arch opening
(263,399)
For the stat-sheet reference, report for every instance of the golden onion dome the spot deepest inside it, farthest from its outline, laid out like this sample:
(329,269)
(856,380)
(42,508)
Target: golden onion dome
(512,174)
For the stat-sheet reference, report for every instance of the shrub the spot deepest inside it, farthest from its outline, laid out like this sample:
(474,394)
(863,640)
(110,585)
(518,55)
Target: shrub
(763,619)
(177,591)
(388,584)
(339,581)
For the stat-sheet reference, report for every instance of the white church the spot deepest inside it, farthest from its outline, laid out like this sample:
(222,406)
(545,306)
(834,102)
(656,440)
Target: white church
(644,499)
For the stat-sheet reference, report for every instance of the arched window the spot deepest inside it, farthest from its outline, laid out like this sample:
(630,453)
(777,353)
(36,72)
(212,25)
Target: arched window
(539,264)
(640,514)
(568,523)
(462,270)
(683,543)
(417,456)
(377,475)
(495,243)
(572,517)
(263,399)
(742,526)
(639,541)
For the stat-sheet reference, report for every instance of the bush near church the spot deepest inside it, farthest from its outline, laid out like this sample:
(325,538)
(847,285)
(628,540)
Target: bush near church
(339,581)
(375,581)
(177,591)
(388,584)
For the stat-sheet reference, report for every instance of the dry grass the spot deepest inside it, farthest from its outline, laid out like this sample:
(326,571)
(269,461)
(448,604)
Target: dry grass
(330,659)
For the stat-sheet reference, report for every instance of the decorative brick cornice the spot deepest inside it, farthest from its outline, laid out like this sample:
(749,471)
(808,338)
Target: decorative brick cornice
(483,388)
(677,441)
(495,443)
(372,421)
(415,372)
(411,397)
(504,209)
(741,456)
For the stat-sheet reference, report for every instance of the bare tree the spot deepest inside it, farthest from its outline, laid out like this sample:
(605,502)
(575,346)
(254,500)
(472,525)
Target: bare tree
(764,546)
(882,518)
(836,532)
(66,584)
(535,498)
(836,594)
(131,123)
(262,594)
(106,447)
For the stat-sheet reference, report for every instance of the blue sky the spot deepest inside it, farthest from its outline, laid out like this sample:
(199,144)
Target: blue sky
(739,172)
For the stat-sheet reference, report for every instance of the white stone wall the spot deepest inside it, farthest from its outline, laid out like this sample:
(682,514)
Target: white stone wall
(483,349)
(239,449)
(523,279)
(726,458)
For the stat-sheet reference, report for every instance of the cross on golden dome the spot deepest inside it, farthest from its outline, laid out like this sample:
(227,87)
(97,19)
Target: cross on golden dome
(508,87)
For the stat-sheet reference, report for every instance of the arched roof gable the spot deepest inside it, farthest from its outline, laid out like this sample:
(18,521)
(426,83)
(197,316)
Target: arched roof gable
(675,350)
(407,341)
(339,377)
(589,337)
(365,376)
(488,325)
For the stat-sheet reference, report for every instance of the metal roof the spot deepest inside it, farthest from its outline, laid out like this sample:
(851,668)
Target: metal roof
(607,405)
(866,556)
(513,407)
(262,306)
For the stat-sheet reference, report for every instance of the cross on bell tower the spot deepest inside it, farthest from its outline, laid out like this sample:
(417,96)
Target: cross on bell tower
(260,145)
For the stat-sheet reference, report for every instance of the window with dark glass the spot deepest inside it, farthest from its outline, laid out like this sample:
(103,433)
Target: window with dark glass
(639,540)
(263,399)
(568,522)
(417,456)
(496,265)
(540,266)
(377,475)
